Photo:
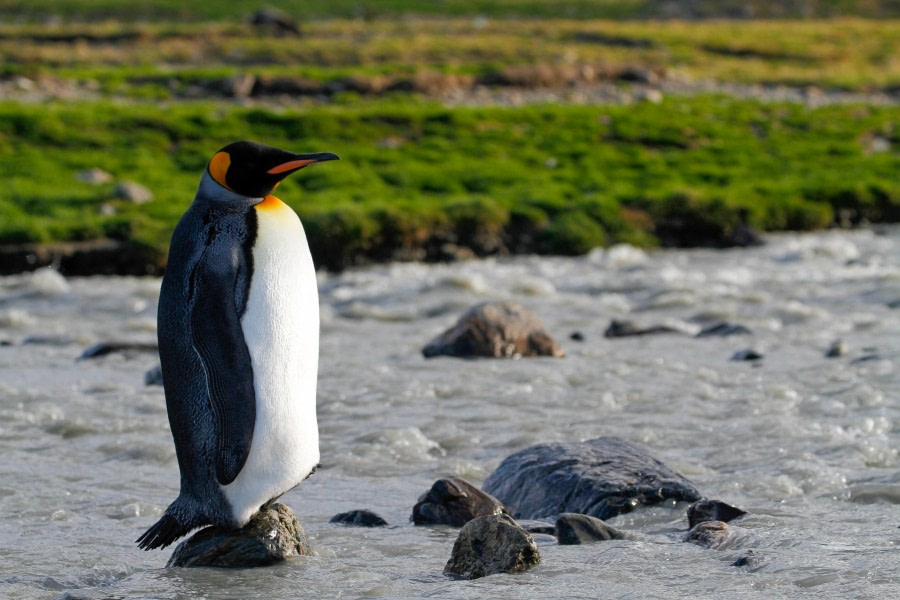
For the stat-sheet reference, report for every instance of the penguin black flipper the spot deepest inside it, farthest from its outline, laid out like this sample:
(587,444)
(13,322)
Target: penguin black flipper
(219,285)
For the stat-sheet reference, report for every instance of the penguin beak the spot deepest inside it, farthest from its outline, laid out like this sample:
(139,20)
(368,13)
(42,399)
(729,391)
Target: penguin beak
(301,161)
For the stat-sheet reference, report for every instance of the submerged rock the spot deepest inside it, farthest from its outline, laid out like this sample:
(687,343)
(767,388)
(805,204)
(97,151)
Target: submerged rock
(723,329)
(360,518)
(709,534)
(154,376)
(837,349)
(492,544)
(749,559)
(747,355)
(104,348)
(619,329)
(602,477)
(574,528)
(271,536)
(712,510)
(495,330)
(454,501)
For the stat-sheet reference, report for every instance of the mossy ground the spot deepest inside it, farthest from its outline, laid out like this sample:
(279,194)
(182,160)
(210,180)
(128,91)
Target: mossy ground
(558,179)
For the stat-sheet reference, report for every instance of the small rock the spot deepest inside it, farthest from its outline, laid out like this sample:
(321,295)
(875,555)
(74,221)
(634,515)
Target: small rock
(723,330)
(492,544)
(95,176)
(454,501)
(238,86)
(496,330)
(104,348)
(574,528)
(576,336)
(359,518)
(651,95)
(709,534)
(133,192)
(271,536)
(619,328)
(603,477)
(748,354)
(837,349)
(750,559)
(153,376)
(712,510)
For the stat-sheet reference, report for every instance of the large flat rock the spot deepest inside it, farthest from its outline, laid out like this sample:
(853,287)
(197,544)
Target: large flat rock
(603,477)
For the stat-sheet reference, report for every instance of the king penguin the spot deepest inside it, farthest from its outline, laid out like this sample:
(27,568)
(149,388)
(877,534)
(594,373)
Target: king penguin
(238,328)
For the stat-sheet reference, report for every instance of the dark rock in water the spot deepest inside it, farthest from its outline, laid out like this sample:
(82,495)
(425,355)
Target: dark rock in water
(712,510)
(104,348)
(744,236)
(837,349)
(723,330)
(360,518)
(495,330)
(153,376)
(746,355)
(709,534)
(576,336)
(618,329)
(573,529)
(271,536)
(492,544)
(275,20)
(533,526)
(750,559)
(454,501)
(602,477)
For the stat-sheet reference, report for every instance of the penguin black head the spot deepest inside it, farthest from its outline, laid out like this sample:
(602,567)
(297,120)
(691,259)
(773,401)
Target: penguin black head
(253,169)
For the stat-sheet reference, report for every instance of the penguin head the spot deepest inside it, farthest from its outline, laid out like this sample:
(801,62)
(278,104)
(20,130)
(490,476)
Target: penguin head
(253,169)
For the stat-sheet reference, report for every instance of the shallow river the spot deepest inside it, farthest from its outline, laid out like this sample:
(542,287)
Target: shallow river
(807,444)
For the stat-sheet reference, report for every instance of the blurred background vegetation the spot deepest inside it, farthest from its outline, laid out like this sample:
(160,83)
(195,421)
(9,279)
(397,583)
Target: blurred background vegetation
(465,127)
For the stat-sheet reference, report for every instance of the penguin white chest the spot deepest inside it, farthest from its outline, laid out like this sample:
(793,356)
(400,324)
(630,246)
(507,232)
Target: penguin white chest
(281,330)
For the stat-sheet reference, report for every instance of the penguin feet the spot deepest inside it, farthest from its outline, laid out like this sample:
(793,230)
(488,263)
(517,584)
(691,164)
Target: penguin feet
(163,533)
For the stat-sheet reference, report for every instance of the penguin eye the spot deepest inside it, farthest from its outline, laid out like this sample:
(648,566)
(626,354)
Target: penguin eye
(218,168)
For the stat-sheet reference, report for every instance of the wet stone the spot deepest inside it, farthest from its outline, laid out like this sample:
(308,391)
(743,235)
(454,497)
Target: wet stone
(359,518)
(603,477)
(271,536)
(723,330)
(837,349)
(574,528)
(534,526)
(746,355)
(712,510)
(489,545)
(104,348)
(749,559)
(454,501)
(495,330)
(154,376)
(709,534)
(618,328)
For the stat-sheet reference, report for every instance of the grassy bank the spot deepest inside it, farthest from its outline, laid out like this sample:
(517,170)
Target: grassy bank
(172,61)
(556,179)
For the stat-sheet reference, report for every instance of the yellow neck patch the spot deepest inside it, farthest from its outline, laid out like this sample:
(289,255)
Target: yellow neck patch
(271,203)
(218,167)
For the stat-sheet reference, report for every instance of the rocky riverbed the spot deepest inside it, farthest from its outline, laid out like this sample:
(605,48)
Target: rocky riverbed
(804,439)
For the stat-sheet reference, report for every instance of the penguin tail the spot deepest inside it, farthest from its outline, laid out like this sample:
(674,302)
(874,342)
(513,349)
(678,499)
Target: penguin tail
(163,533)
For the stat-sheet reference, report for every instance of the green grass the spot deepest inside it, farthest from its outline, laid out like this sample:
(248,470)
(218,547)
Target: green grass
(557,179)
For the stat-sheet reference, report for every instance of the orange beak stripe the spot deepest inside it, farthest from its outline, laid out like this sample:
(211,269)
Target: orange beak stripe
(289,166)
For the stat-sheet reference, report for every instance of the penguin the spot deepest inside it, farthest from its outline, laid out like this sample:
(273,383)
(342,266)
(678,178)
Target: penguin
(238,329)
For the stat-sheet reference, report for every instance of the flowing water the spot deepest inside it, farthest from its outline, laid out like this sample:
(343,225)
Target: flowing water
(807,444)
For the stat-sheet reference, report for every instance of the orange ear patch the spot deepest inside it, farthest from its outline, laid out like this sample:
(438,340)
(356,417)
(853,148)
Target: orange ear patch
(218,167)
